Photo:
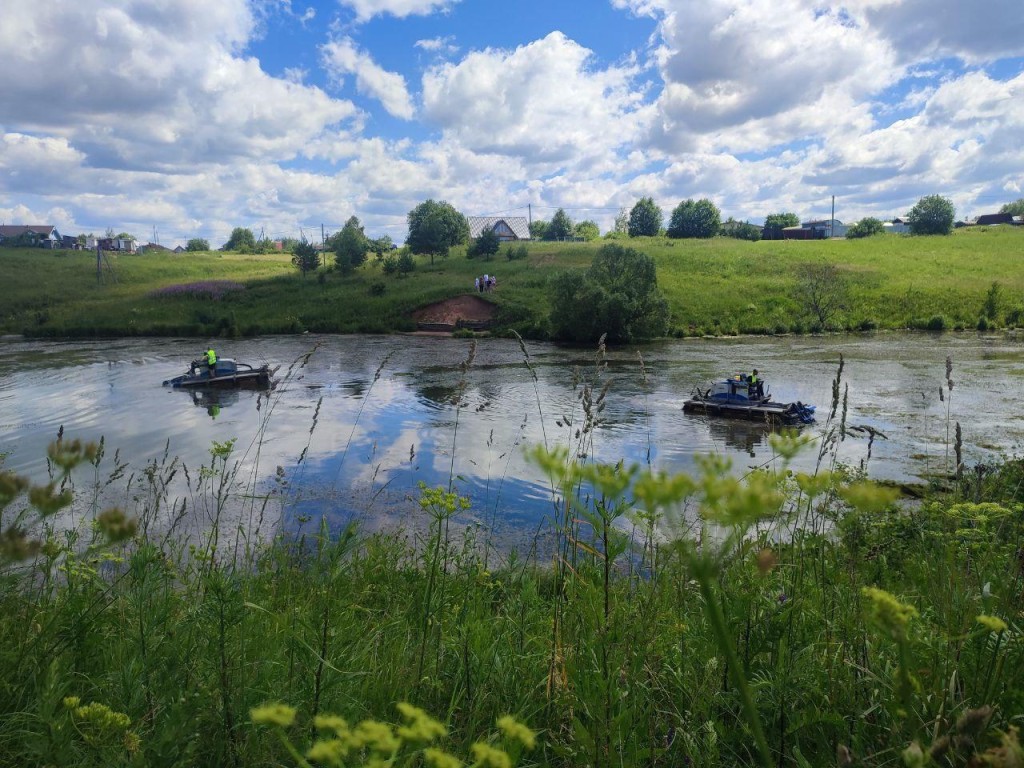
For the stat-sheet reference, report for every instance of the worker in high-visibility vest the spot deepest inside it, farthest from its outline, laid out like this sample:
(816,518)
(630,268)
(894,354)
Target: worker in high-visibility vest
(211,360)
(756,385)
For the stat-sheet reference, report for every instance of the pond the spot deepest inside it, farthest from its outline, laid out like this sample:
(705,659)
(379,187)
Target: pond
(357,422)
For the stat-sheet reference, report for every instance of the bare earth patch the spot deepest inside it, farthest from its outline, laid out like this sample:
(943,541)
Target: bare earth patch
(450,311)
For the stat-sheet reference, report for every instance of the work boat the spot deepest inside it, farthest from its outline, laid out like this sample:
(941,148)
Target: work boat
(226,373)
(740,398)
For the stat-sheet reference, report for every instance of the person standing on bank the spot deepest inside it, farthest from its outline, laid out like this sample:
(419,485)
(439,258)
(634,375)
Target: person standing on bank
(211,361)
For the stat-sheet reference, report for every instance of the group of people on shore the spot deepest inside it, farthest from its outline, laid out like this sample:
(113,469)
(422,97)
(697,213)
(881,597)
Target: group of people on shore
(485,283)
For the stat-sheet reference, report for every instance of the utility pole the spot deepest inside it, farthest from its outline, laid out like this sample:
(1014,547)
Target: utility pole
(529,208)
(99,273)
(323,243)
(832,221)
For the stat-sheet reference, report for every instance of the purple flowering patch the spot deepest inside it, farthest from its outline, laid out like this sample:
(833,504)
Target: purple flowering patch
(207,289)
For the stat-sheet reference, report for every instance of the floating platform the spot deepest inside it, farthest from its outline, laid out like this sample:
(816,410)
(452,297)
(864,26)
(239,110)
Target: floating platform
(765,411)
(226,373)
(742,397)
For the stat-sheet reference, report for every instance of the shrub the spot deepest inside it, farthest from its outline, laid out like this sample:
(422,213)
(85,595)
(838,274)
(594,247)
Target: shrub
(377,288)
(390,264)
(865,228)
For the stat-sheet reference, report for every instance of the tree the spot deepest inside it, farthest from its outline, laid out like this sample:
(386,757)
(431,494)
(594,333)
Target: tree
(350,246)
(865,228)
(486,245)
(538,230)
(588,230)
(821,291)
(644,219)
(774,223)
(695,219)
(741,230)
(381,245)
(561,226)
(618,296)
(435,227)
(1016,208)
(241,239)
(622,222)
(197,244)
(933,215)
(305,257)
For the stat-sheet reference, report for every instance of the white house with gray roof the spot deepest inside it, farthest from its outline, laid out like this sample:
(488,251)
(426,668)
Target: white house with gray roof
(507,228)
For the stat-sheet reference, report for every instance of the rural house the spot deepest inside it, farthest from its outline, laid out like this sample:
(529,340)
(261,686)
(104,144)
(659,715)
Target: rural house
(507,228)
(30,235)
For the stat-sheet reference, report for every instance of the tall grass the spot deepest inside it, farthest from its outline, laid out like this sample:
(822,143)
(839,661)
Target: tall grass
(801,617)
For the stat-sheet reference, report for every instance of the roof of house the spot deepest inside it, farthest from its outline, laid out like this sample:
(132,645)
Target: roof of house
(518,224)
(155,247)
(14,230)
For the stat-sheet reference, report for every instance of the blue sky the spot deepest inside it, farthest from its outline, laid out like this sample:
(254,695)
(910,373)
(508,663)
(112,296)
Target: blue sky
(188,118)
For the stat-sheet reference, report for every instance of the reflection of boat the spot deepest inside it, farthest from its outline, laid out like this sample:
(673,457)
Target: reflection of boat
(739,435)
(226,373)
(740,398)
(213,397)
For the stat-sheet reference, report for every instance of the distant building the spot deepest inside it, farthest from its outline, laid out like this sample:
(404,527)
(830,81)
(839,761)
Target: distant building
(153,248)
(824,228)
(119,244)
(898,226)
(507,228)
(179,249)
(988,219)
(796,233)
(30,235)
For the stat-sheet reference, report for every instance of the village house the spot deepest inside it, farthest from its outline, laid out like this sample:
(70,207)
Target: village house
(30,235)
(507,228)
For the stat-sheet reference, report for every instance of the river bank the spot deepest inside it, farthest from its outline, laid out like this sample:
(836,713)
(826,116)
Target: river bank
(714,287)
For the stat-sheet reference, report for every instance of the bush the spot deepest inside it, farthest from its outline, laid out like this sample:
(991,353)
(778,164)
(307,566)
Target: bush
(517,254)
(865,228)
(982,323)
(406,263)
(390,264)
(377,288)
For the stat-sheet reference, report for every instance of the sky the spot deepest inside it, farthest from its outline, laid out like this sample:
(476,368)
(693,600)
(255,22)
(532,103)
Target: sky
(175,119)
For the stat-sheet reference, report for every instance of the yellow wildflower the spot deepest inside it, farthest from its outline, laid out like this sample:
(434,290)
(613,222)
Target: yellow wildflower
(487,756)
(992,623)
(437,758)
(72,702)
(421,727)
(278,714)
(375,735)
(330,751)
(331,723)
(888,613)
(516,731)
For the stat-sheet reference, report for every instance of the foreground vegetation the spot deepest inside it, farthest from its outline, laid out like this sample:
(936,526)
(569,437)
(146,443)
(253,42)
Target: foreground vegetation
(714,286)
(778,619)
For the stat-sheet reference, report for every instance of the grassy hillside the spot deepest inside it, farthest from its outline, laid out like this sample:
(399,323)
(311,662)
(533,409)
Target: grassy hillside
(715,286)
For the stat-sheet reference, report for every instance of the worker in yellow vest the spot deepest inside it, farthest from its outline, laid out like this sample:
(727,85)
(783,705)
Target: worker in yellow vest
(756,385)
(211,360)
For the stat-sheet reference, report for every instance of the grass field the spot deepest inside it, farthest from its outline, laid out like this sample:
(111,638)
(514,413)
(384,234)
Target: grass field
(718,286)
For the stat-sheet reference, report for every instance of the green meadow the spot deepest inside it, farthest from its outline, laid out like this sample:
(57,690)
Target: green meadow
(777,619)
(717,286)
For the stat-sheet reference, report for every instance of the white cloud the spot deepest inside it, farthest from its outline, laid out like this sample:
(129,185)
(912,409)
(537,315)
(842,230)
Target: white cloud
(343,57)
(145,86)
(932,29)
(438,44)
(541,103)
(367,9)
